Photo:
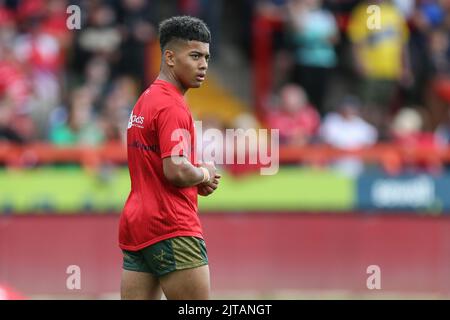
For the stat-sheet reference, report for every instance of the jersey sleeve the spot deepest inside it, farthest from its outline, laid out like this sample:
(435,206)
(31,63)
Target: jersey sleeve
(173,126)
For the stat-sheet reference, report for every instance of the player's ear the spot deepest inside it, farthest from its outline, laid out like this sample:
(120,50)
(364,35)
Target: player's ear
(169,57)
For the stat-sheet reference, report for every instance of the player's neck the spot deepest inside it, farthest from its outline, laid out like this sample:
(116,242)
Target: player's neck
(168,77)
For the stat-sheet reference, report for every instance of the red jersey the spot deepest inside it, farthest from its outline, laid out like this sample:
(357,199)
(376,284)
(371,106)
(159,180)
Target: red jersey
(155,209)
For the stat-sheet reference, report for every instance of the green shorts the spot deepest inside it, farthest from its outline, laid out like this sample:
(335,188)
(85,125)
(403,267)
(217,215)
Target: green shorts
(166,256)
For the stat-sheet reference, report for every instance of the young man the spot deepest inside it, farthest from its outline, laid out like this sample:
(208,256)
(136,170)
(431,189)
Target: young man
(160,232)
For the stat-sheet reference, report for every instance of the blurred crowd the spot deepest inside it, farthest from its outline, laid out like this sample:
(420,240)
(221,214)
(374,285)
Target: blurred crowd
(76,85)
(353,73)
(71,86)
(339,76)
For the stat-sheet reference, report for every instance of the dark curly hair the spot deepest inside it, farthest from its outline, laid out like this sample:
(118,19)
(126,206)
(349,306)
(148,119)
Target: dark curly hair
(184,28)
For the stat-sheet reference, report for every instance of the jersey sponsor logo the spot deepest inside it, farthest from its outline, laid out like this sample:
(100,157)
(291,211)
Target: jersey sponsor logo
(136,144)
(136,121)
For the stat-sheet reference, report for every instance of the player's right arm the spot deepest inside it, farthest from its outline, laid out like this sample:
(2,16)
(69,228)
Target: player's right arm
(181,173)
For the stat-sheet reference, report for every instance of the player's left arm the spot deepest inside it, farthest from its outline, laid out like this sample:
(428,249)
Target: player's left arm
(180,172)
(174,127)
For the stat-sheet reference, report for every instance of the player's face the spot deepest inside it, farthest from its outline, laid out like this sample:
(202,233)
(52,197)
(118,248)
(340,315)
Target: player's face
(191,63)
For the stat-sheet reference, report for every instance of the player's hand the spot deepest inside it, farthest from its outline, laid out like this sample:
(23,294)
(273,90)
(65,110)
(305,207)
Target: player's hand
(211,169)
(207,188)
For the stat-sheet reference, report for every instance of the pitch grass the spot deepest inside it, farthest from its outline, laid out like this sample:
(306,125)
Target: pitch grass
(75,190)
(290,189)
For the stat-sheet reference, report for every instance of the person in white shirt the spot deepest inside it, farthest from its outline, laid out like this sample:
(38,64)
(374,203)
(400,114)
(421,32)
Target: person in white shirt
(345,129)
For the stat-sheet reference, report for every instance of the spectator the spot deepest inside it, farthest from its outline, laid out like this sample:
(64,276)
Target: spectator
(439,51)
(41,50)
(13,79)
(442,132)
(137,18)
(405,7)
(101,37)
(432,12)
(245,158)
(380,57)
(97,79)
(313,34)
(79,127)
(16,123)
(407,129)
(407,132)
(117,108)
(210,12)
(295,118)
(7,131)
(438,97)
(346,130)
(419,56)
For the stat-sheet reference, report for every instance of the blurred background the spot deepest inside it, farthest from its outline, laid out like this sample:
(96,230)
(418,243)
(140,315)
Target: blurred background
(361,102)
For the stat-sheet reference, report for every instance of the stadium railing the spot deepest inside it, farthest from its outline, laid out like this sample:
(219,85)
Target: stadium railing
(391,157)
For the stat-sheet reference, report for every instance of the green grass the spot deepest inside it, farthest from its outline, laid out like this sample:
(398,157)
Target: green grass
(290,189)
(63,190)
(75,190)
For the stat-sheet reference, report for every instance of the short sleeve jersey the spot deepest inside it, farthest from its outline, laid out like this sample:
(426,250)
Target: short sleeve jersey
(160,126)
(380,46)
